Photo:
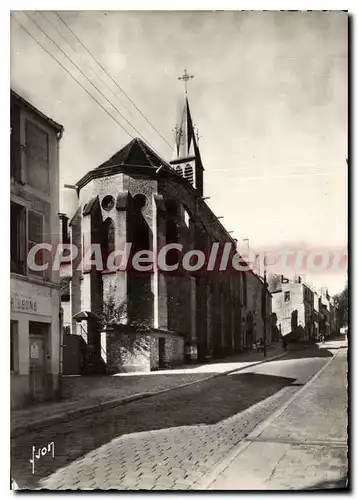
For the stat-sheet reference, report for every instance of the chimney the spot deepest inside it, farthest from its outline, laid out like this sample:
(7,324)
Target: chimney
(65,238)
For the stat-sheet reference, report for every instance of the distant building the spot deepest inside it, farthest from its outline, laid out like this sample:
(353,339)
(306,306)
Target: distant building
(293,304)
(328,315)
(316,314)
(302,312)
(35,295)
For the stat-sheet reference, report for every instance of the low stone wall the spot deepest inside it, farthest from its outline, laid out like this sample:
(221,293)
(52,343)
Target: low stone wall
(129,351)
(173,350)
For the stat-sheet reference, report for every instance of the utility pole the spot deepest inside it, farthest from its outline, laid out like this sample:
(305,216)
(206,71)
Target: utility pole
(264,309)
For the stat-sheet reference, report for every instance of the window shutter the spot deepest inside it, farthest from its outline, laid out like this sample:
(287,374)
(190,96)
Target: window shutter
(37,157)
(18,238)
(35,232)
(15,143)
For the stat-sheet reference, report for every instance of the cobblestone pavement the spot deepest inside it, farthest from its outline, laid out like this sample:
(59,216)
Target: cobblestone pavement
(170,441)
(85,390)
(305,447)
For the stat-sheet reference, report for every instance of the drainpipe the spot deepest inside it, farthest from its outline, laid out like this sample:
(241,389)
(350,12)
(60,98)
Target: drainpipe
(61,344)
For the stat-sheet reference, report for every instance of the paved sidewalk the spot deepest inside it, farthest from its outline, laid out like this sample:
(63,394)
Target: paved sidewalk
(100,393)
(304,448)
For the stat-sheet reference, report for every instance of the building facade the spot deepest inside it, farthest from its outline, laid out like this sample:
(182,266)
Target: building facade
(316,314)
(167,317)
(35,295)
(302,312)
(293,304)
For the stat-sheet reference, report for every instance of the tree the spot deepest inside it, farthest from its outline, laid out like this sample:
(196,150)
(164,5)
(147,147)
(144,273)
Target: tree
(274,282)
(113,317)
(341,302)
(113,311)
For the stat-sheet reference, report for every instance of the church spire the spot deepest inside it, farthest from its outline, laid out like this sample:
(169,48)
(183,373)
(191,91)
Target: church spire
(186,159)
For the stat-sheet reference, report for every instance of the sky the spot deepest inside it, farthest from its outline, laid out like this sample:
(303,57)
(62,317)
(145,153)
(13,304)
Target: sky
(269,99)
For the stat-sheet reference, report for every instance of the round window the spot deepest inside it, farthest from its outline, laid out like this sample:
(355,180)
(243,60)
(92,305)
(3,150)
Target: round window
(108,202)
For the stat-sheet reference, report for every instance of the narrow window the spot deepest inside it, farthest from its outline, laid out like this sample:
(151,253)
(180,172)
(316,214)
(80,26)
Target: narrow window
(287,296)
(172,232)
(179,170)
(108,239)
(35,228)
(18,238)
(188,173)
(172,236)
(15,144)
(37,157)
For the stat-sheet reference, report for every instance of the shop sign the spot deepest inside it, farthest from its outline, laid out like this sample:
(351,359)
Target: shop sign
(23,303)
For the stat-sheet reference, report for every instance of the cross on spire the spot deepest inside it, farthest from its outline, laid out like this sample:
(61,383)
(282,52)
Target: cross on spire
(185,77)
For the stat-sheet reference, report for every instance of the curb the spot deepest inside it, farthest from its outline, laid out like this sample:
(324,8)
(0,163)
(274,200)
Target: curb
(247,441)
(107,405)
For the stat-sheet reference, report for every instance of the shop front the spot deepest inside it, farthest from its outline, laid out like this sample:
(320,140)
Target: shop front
(34,342)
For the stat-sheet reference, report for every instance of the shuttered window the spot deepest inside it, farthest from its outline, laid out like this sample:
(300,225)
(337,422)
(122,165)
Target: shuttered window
(35,229)
(15,143)
(18,238)
(37,157)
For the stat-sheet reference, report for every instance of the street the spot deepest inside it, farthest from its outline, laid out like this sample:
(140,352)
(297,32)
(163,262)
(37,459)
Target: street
(169,441)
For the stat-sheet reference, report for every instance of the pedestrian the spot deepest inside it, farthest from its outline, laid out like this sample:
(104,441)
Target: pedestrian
(261,344)
(284,343)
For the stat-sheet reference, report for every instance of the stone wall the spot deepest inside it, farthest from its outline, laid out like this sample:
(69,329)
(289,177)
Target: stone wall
(131,351)
(127,352)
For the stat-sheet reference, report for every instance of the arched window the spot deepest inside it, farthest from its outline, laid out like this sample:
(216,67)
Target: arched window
(172,231)
(108,240)
(188,173)
(172,235)
(139,202)
(139,230)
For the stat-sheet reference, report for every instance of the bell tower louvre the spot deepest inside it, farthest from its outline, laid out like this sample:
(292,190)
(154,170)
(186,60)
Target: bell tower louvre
(186,159)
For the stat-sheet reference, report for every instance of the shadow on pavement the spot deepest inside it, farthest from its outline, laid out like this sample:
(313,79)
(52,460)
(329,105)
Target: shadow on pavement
(206,403)
(295,351)
(338,484)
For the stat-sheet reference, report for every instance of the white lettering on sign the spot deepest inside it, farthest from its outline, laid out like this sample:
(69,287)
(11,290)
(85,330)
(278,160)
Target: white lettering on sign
(20,302)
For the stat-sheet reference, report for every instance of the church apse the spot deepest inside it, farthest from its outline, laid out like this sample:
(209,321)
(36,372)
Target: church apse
(139,291)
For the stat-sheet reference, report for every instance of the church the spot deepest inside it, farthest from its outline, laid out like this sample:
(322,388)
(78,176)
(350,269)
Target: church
(126,320)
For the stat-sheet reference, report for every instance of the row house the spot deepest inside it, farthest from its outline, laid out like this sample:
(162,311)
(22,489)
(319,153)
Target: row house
(35,333)
(328,314)
(293,304)
(302,312)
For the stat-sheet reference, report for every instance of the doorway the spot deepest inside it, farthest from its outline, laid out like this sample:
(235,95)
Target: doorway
(37,354)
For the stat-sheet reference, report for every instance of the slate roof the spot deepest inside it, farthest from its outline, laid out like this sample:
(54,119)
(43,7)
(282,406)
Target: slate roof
(135,153)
